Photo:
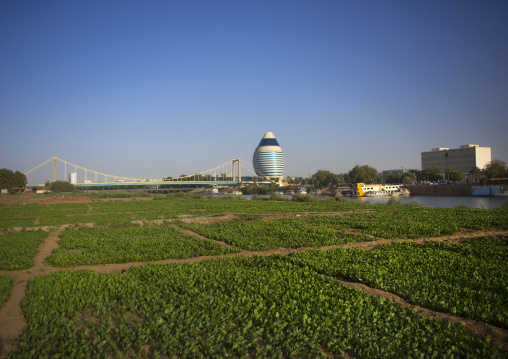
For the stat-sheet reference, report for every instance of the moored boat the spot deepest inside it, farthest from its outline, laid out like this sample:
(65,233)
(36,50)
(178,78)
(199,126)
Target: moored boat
(211,191)
(301,191)
(377,190)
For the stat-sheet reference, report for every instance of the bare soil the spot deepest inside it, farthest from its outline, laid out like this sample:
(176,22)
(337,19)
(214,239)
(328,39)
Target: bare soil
(12,321)
(208,219)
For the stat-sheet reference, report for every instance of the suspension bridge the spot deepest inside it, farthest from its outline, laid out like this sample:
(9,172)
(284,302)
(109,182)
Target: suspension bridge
(228,173)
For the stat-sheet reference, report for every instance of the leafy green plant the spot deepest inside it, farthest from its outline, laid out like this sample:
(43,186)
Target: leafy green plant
(17,249)
(303,198)
(6,284)
(254,307)
(467,279)
(122,245)
(255,234)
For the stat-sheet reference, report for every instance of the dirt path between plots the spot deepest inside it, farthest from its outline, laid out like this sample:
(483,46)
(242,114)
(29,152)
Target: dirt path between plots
(12,321)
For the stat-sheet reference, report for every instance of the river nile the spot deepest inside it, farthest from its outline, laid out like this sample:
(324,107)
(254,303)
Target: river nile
(444,202)
(435,201)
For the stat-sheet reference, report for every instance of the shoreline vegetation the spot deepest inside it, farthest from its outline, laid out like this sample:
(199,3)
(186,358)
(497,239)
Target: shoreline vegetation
(187,276)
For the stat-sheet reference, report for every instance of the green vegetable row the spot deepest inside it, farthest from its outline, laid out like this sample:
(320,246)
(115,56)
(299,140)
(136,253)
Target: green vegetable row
(256,234)
(466,279)
(17,249)
(235,307)
(6,284)
(25,215)
(131,244)
(19,215)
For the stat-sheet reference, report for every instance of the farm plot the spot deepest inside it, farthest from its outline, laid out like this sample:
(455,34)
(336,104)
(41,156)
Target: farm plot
(175,207)
(468,218)
(17,222)
(481,219)
(388,225)
(24,215)
(468,279)
(17,249)
(255,234)
(54,214)
(235,307)
(417,222)
(132,244)
(16,216)
(105,218)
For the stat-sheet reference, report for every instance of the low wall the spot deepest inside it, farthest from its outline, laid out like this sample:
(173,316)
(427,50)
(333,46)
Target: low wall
(440,190)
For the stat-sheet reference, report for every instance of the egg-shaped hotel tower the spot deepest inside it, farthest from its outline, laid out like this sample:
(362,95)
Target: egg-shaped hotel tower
(268,159)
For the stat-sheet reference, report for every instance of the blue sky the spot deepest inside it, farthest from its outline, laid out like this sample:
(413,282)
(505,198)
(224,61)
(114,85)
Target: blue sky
(149,89)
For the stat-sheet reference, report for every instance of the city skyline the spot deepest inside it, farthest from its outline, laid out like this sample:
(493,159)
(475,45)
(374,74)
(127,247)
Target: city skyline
(162,88)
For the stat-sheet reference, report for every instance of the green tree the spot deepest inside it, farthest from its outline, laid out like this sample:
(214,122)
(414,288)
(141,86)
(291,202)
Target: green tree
(407,178)
(476,173)
(342,178)
(431,174)
(323,178)
(11,180)
(391,178)
(254,189)
(363,174)
(396,178)
(453,174)
(61,186)
(495,169)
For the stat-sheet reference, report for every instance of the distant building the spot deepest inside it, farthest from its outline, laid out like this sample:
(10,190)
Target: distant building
(464,158)
(73,178)
(268,159)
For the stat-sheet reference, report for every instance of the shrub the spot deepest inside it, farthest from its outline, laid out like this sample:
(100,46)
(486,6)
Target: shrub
(61,186)
(303,198)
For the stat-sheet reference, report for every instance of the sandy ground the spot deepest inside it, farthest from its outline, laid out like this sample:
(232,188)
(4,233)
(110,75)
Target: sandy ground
(12,321)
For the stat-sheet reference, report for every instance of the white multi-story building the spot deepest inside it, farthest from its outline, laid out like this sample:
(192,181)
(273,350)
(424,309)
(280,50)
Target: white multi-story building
(464,158)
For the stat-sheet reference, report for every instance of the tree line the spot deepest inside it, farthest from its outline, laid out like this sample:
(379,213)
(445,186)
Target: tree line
(11,180)
(322,178)
(368,174)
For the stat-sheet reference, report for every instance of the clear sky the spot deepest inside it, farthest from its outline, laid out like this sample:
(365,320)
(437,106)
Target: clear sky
(149,89)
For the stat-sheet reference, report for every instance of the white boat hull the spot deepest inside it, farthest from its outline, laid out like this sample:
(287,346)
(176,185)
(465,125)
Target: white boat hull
(378,190)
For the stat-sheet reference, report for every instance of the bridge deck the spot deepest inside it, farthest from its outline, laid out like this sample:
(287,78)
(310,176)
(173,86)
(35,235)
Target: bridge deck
(158,183)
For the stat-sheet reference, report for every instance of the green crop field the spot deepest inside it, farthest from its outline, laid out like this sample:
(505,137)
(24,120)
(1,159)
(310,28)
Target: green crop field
(254,234)
(255,307)
(452,261)
(122,245)
(467,279)
(17,249)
